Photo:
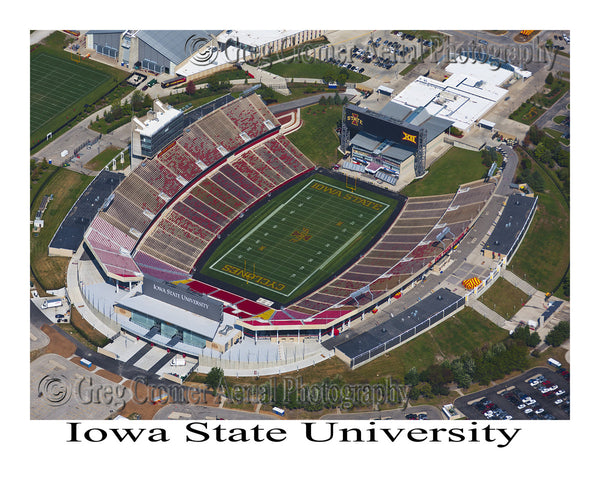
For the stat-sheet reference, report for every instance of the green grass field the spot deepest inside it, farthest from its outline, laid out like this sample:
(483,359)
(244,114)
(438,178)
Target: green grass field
(455,167)
(317,138)
(299,238)
(544,256)
(66,186)
(57,84)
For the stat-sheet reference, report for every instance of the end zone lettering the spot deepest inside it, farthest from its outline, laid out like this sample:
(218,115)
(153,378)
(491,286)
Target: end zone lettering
(363,201)
(346,196)
(253,277)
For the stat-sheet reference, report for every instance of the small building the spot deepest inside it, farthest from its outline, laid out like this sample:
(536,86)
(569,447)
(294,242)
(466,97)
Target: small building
(385,90)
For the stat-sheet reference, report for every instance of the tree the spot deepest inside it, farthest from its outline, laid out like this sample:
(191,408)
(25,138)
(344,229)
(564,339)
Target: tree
(411,377)
(137,100)
(523,334)
(190,88)
(214,378)
(559,334)
(536,181)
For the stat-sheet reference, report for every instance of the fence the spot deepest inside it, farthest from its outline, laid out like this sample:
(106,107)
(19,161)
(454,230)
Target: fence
(404,336)
(85,144)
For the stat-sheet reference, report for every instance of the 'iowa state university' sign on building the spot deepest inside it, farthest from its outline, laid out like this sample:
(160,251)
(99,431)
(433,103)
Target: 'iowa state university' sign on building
(181,296)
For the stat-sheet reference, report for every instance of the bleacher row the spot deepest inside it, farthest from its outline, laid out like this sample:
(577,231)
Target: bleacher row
(195,219)
(147,190)
(409,245)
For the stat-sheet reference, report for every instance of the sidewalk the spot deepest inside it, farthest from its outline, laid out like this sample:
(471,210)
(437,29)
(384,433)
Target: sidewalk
(268,79)
(519,283)
(77,298)
(487,312)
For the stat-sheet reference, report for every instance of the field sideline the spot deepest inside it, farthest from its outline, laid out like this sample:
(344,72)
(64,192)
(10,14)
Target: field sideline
(309,232)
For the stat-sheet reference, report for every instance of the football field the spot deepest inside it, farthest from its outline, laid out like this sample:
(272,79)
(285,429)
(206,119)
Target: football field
(56,84)
(299,238)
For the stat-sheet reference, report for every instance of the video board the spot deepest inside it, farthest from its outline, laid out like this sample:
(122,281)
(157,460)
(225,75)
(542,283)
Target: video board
(359,119)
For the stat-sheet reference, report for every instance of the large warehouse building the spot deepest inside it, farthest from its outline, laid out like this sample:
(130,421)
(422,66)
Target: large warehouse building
(184,52)
(158,51)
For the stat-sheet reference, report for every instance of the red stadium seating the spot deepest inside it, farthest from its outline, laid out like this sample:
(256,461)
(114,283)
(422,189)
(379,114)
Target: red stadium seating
(180,162)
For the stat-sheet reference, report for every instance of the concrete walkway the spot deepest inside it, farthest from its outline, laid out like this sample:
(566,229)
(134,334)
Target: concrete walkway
(39,35)
(268,79)
(73,287)
(487,312)
(519,283)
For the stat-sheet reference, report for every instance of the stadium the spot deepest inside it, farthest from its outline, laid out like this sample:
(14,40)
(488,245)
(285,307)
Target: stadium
(231,233)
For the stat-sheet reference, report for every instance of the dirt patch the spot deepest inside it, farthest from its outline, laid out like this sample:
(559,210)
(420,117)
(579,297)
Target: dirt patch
(58,344)
(113,377)
(76,360)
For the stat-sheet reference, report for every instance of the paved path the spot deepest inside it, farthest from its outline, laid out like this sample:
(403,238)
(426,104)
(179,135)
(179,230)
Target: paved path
(487,312)
(519,283)
(300,103)
(38,36)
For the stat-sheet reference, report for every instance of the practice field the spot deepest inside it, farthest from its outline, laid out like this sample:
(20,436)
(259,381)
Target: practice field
(55,85)
(299,238)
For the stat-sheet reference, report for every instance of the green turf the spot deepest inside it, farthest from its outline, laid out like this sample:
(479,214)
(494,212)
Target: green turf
(544,256)
(456,167)
(56,84)
(317,138)
(299,238)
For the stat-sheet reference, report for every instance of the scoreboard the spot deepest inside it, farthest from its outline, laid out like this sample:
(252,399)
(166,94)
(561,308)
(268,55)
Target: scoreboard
(359,119)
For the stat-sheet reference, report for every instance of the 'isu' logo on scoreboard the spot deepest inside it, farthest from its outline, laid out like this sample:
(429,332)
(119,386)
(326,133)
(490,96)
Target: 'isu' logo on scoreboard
(354,119)
(407,137)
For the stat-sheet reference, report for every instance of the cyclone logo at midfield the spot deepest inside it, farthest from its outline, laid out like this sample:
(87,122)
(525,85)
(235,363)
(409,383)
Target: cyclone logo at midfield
(201,54)
(54,389)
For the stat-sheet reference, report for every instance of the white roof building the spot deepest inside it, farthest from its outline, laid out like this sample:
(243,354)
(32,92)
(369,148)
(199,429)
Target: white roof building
(237,46)
(464,97)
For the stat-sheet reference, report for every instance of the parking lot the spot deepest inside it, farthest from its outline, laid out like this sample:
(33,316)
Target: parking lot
(381,54)
(540,394)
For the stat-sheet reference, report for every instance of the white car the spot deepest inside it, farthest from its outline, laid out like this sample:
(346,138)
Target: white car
(559,393)
(558,401)
(528,410)
(521,407)
(539,410)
